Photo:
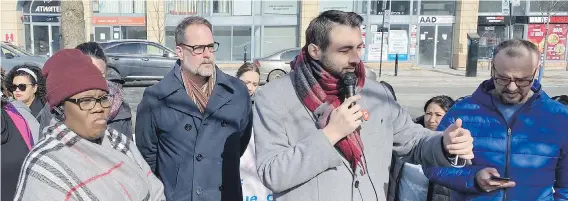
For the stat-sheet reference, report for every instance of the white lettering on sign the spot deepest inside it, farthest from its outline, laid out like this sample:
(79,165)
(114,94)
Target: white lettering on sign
(538,19)
(558,29)
(47,9)
(428,19)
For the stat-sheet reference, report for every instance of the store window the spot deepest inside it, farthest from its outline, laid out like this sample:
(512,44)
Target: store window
(400,7)
(490,6)
(187,7)
(222,6)
(377,6)
(551,6)
(241,40)
(279,38)
(170,37)
(436,7)
(134,32)
(519,32)
(222,35)
(123,6)
(490,37)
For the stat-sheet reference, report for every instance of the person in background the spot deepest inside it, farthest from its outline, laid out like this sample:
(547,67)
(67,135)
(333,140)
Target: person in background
(252,186)
(120,117)
(520,134)
(19,133)
(80,158)
(27,84)
(562,99)
(413,184)
(193,126)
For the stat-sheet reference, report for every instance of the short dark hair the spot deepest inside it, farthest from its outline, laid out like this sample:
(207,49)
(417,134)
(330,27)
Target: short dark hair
(40,82)
(318,31)
(512,47)
(188,21)
(562,99)
(246,67)
(445,102)
(92,49)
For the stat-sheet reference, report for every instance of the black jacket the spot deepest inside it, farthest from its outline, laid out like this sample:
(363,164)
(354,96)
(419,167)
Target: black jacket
(14,151)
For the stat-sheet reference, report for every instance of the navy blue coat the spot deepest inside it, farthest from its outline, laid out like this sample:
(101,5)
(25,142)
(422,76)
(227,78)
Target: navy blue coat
(195,155)
(531,149)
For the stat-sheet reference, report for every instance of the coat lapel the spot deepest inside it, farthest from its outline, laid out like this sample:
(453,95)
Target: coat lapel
(174,94)
(222,93)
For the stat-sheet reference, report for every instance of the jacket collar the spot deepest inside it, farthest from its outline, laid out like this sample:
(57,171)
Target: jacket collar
(172,90)
(484,96)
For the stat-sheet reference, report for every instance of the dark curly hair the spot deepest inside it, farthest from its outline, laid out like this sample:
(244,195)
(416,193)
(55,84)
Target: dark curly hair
(445,102)
(92,49)
(40,82)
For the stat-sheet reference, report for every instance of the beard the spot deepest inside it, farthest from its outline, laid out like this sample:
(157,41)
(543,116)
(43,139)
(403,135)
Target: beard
(204,69)
(511,97)
(330,67)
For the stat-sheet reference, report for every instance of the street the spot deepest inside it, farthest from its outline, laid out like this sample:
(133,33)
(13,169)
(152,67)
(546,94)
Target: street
(414,87)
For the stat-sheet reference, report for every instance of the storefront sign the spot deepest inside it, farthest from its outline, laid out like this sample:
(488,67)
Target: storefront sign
(398,44)
(493,20)
(9,37)
(436,19)
(553,20)
(42,6)
(505,7)
(413,41)
(556,48)
(125,21)
(280,7)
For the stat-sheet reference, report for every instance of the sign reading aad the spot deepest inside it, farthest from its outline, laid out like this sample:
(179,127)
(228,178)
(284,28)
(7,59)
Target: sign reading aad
(436,19)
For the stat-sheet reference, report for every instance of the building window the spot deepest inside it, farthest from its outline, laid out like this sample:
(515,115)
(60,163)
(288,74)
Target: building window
(187,7)
(552,7)
(278,7)
(171,37)
(360,6)
(222,6)
(490,6)
(241,40)
(133,32)
(279,38)
(113,6)
(435,7)
(490,37)
(377,6)
(400,8)
(222,35)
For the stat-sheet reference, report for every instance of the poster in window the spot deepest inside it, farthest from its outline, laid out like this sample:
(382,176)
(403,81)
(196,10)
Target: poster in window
(556,48)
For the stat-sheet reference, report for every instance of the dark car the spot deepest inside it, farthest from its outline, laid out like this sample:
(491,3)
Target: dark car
(139,59)
(12,55)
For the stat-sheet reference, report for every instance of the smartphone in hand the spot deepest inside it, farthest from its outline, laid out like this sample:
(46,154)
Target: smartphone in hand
(494,178)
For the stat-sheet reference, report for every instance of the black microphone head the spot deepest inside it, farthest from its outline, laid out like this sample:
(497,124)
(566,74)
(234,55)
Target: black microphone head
(349,79)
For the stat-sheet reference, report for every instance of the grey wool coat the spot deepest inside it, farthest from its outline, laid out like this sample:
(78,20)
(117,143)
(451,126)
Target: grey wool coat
(296,161)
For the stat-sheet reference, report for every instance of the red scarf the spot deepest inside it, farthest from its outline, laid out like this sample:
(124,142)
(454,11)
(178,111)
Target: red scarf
(318,88)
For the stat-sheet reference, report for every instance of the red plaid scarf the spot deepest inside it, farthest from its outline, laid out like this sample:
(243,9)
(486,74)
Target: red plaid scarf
(318,88)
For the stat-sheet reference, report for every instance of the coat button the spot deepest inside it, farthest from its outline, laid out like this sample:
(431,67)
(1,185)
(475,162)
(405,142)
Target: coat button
(221,188)
(199,191)
(199,157)
(188,127)
(224,123)
(356,184)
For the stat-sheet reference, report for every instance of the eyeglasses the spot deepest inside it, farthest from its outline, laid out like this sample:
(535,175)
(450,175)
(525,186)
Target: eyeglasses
(199,49)
(21,87)
(88,103)
(507,81)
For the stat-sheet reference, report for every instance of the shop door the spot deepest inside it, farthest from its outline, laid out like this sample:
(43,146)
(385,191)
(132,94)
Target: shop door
(55,39)
(103,34)
(41,40)
(435,46)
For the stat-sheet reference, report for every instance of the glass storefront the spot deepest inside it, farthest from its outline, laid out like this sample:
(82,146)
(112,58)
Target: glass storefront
(490,37)
(41,27)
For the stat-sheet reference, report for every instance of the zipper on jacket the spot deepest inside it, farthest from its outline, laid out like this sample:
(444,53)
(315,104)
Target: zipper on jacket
(507,160)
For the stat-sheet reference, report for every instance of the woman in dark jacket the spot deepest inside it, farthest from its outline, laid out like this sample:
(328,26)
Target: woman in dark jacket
(19,131)
(120,116)
(27,84)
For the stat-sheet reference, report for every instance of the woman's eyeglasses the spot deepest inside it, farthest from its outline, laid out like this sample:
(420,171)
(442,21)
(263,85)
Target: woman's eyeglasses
(21,87)
(88,103)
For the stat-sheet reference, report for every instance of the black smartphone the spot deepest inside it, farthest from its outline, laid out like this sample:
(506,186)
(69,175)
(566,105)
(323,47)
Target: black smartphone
(500,178)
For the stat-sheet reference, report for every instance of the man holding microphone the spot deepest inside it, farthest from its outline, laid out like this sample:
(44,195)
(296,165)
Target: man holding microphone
(314,144)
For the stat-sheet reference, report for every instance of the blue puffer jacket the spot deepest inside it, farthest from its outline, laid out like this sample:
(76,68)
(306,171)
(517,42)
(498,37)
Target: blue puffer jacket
(532,149)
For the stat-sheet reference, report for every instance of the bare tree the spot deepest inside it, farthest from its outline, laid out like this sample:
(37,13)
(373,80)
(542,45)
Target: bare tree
(158,26)
(547,9)
(72,24)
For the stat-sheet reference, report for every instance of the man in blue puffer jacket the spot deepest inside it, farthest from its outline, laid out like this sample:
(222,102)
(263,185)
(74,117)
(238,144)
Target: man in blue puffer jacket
(519,133)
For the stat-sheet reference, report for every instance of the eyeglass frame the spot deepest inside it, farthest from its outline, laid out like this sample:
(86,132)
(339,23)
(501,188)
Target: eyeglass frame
(99,100)
(494,77)
(204,46)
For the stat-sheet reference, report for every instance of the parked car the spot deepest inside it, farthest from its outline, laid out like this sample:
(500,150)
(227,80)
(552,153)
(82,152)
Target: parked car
(137,60)
(12,55)
(278,64)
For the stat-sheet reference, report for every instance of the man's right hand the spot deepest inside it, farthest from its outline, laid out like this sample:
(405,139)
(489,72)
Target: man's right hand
(343,120)
(484,181)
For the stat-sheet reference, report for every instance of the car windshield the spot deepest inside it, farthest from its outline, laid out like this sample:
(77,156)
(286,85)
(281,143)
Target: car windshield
(19,50)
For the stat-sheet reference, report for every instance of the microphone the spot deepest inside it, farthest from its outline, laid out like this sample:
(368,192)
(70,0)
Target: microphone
(348,83)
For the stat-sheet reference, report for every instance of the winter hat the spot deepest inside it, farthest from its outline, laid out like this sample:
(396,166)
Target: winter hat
(69,72)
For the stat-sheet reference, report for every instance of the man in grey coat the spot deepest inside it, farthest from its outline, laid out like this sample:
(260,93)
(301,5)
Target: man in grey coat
(318,147)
